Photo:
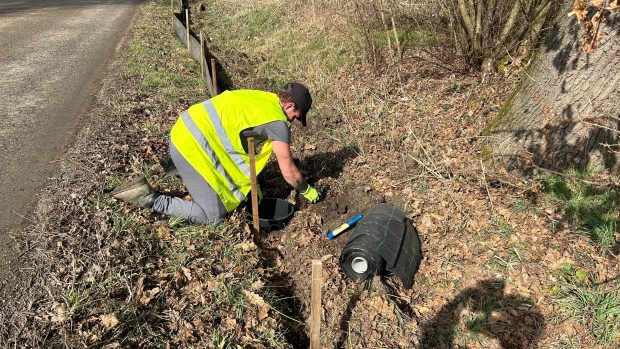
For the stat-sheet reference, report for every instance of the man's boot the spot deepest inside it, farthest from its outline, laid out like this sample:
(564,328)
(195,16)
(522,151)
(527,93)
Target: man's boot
(137,192)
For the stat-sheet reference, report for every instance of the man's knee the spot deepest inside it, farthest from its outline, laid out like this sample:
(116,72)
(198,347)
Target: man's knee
(198,216)
(206,220)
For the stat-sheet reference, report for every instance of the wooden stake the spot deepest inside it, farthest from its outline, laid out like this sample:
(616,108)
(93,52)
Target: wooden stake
(202,55)
(315,304)
(213,77)
(187,26)
(400,54)
(172,13)
(254,193)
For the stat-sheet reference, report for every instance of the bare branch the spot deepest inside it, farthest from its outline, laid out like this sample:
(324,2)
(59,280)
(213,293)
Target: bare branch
(385,27)
(512,19)
(467,22)
(478,29)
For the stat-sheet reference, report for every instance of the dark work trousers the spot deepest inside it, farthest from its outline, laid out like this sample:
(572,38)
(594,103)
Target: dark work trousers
(205,206)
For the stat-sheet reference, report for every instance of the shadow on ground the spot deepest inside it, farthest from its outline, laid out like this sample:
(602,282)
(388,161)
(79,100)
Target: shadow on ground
(327,164)
(314,168)
(485,310)
(281,286)
(346,318)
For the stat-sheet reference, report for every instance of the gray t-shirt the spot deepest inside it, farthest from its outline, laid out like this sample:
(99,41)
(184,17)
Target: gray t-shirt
(274,131)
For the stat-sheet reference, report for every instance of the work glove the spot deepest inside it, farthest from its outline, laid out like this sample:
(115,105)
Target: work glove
(311,194)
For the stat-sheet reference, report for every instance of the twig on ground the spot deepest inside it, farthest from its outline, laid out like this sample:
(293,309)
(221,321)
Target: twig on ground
(600,126)
(486,185)
(426,154)
(399,51)
(471,137)
(435,174)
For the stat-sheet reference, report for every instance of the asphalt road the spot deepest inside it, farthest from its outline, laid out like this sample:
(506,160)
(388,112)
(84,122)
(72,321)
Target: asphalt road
(53,55)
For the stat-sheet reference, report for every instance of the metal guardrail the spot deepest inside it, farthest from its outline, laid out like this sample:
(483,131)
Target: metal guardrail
(180,25)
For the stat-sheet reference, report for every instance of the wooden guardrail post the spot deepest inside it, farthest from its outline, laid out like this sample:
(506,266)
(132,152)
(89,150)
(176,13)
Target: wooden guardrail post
(202,56)
(187,28)
(213,77)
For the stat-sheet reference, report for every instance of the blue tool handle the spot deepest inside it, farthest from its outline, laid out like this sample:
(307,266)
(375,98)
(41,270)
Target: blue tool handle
(340,229)
(355,219)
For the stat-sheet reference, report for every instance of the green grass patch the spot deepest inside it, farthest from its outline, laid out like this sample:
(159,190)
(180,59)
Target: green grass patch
(162,66)
(277,47)
(257,22)
(124,223)
(520,206)
(75,299)
(161,79)
(223,341)
(596,307)
(98,201)
(591,209)
(499,226)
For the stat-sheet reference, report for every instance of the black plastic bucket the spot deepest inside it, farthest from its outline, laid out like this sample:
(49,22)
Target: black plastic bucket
(273,213)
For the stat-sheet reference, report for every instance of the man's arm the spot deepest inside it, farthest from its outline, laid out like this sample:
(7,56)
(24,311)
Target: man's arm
(289,171)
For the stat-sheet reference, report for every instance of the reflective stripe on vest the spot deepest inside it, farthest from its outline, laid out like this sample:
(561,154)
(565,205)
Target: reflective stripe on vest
(219,130)
(206,147)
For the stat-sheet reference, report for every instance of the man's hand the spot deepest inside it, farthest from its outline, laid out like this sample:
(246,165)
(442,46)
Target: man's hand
(311,194)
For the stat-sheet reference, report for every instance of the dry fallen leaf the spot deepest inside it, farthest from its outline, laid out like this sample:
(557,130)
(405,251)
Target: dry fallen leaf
(163,232)
(148,295)
(247,246)
(381,305)
(108,320)
(506,213)
(187,273)
(60,313)
(257,300)
(254,298)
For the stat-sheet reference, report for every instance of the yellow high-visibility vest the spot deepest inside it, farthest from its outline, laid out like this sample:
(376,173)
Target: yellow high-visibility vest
(208,136)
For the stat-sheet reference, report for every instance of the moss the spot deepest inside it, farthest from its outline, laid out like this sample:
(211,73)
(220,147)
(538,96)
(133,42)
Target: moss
(485,154)
(500,117)
(504,65)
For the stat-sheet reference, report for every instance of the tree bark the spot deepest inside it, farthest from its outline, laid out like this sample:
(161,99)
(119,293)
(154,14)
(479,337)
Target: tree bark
(548,120)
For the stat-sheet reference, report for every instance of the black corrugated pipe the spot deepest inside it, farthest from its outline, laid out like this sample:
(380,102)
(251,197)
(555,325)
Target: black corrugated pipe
(383,240)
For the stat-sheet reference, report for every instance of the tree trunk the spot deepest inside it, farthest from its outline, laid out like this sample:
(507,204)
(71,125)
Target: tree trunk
(550,119)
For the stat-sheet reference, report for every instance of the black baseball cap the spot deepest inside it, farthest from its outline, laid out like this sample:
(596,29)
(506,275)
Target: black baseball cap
(301,97)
